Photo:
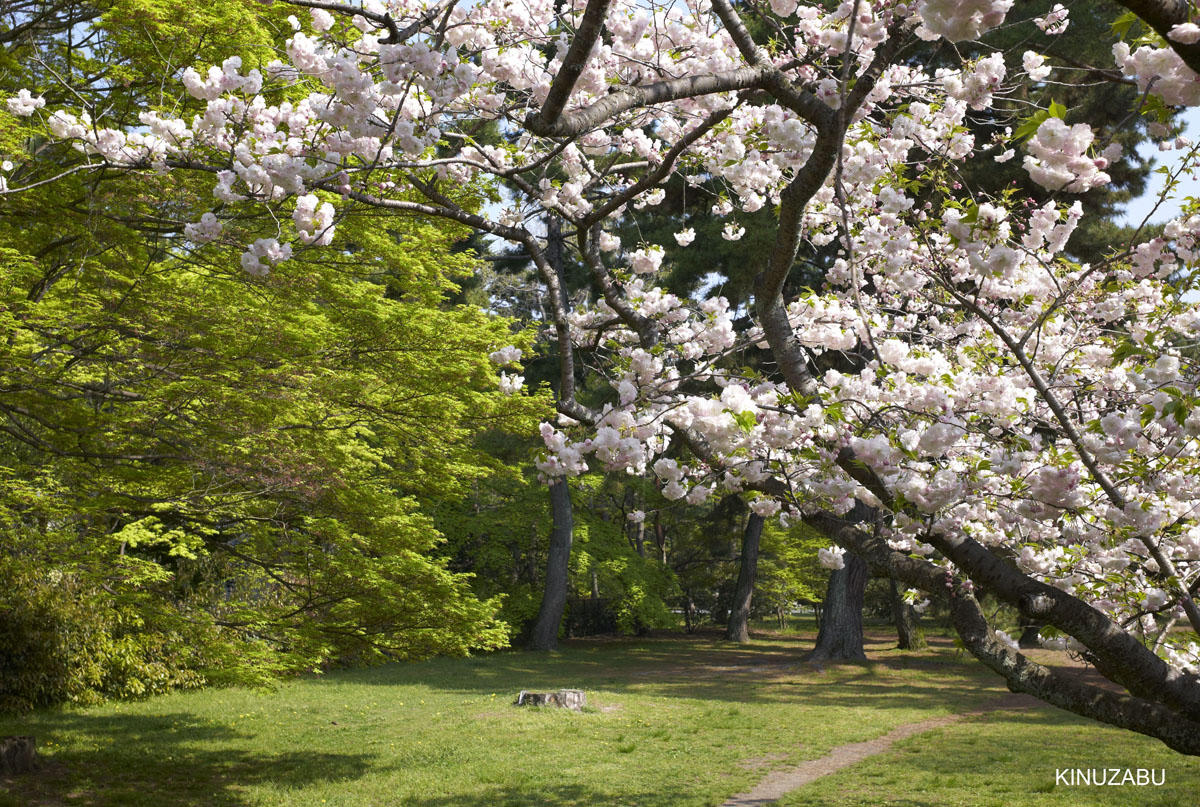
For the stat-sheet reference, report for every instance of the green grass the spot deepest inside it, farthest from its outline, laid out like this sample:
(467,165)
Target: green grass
(670,723)
(1004,759)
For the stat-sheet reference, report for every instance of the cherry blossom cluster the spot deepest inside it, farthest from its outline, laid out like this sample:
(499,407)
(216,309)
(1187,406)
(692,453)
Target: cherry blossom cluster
(955,21)
(1058,158)
(1159,71)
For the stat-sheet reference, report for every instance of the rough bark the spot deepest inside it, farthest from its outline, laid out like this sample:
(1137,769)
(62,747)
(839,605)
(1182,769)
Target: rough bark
(544,635)
(739,615)
(574,699)
(841,633)
(909,636)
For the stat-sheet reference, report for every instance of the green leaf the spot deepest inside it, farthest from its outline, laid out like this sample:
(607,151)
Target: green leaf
(1121,25)
(1028,127)
(1126,349)
(745,420)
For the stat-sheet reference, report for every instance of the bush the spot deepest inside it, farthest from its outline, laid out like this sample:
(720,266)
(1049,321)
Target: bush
(62,641)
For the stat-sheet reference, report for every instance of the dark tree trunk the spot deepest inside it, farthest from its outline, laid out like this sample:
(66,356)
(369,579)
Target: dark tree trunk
(909,635)
(1029,637)
(739,614)
(841,634)
(17,755)
(554,595)
(544,635)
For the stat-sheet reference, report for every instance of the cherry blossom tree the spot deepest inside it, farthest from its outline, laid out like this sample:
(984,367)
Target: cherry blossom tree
(999,416)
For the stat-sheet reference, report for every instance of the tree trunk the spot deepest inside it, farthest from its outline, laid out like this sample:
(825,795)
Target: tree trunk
(841,634)
(910,636)
(554,595)
(1029,637)
(574,699)
(739,614)
(17,755)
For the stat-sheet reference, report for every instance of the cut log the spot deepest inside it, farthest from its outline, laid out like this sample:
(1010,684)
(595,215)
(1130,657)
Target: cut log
(17,755)
(574,699)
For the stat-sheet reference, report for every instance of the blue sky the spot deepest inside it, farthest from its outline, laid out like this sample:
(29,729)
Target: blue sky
(1138,208)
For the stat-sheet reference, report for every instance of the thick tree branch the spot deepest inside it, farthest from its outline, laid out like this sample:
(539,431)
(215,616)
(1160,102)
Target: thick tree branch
(1162,16)
(737,31)
(573,64)
(1147,716)
(1144,673)
(576,123)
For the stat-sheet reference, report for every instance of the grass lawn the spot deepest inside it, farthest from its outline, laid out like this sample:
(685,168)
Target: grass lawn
(671,722)
(1003,759)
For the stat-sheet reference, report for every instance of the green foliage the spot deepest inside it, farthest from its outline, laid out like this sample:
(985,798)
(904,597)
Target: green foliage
(63,640)
(639,585)
(788,571)
(210,461)
(499,532)
(246,447)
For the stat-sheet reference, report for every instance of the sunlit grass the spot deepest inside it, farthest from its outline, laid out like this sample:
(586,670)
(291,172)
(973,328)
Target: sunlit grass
(670,723)
(1007,758)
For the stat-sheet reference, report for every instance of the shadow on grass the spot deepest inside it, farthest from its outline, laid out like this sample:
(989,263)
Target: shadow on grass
(767,672)
(556,796)
(169,759)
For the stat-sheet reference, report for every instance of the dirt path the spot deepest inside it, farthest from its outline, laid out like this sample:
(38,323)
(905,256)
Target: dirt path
(778,783)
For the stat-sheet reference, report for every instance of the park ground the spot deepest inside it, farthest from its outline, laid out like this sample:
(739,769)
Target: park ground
(671,722)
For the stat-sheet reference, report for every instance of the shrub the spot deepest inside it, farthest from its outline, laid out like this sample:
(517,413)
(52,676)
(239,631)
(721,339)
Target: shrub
(65,641)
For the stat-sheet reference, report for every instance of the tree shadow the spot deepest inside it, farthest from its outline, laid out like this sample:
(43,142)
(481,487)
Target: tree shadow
(573,795)
(169,759)
(768,673)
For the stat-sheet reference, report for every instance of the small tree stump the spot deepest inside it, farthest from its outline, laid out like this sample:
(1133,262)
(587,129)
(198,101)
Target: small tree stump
(17,755)
(573,699)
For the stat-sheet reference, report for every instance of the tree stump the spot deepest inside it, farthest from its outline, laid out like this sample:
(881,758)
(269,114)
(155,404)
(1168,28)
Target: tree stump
(17,755)
(573,699)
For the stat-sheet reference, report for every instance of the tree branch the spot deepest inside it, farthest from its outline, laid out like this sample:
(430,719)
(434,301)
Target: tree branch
(1162,16)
